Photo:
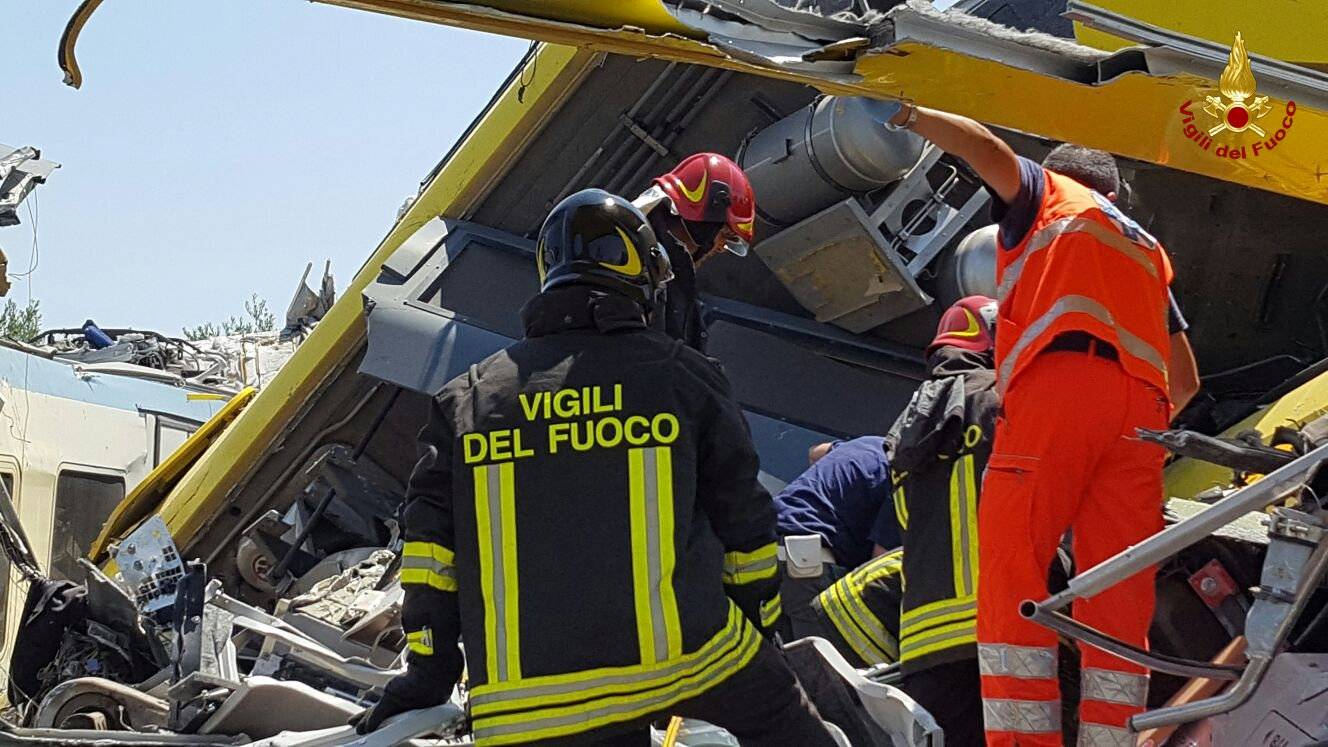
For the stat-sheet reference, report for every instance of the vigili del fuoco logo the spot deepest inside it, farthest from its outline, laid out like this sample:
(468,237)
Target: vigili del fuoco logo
(1236,109)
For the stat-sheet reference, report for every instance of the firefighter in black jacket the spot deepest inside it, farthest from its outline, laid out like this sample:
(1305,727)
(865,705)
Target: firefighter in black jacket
(586,516)
(919,607)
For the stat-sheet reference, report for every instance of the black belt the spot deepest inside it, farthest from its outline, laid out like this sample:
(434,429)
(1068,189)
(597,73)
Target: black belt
(1082,342)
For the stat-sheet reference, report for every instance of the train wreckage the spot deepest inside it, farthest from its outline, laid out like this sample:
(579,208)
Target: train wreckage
(246,591)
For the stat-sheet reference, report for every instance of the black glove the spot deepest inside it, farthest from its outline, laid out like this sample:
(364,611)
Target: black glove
(400,696)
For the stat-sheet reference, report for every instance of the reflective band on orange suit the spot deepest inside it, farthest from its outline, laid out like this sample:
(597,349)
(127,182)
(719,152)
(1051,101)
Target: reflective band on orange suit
(1066,457)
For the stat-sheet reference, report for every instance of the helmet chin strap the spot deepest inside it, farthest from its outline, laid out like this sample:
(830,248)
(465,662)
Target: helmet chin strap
(678,230)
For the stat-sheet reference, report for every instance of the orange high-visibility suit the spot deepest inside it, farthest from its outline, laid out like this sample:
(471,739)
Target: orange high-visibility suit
(1081,350)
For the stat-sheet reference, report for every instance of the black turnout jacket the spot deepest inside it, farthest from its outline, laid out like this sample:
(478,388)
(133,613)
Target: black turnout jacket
(938,449)
(586,517)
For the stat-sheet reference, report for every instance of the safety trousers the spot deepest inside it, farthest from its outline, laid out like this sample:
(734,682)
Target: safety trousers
(1066,457)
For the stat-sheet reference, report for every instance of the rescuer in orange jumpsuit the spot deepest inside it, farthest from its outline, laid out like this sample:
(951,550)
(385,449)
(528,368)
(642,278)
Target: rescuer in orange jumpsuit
(1089,347)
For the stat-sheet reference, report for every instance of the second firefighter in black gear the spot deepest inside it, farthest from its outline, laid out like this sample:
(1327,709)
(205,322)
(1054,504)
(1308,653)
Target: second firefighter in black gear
(586,517)
(919,606)
(702,207)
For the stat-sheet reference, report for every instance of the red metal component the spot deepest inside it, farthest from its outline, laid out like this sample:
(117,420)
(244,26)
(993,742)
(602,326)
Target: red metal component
(1213,584)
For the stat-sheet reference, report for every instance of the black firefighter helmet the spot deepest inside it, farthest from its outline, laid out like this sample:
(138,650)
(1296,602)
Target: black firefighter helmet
(599,239)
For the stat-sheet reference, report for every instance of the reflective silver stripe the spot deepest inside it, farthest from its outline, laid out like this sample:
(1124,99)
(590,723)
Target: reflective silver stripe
(495,517)
(740,572)
(962,474)
(649,459)
(1023,716)
(917,618)
(585,716)
(1132,344)
(871,625)
(835,605)
(1054,230)
(630,679)
(495,493)
(1097,735)
(1110,686)
(933,640)
(432,565)
(1024,662)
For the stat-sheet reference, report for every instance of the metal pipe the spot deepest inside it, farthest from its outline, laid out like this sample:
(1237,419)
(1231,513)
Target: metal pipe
(647,120)
(1229,700)
(1260,660)
(1076,630)
(279,570)
(711,88)
(1275,486)
(1195,690)
(654,86)
(665,130)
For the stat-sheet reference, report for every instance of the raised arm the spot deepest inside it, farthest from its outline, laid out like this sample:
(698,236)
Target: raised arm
(969,141)
(1182,373)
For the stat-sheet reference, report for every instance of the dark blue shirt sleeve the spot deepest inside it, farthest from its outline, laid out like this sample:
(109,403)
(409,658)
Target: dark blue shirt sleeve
(885,532)
(1017,217)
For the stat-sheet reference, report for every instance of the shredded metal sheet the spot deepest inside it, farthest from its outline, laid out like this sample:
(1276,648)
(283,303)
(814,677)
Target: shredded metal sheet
(1248,528)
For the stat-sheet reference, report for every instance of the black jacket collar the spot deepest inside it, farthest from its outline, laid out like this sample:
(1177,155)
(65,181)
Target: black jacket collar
(576,307)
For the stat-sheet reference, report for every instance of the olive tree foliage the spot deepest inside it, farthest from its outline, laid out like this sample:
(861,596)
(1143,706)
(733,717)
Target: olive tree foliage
(256,318)
(20,322)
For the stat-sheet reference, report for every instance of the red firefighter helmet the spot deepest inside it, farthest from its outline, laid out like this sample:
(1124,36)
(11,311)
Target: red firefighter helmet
(969,324)
(707,188)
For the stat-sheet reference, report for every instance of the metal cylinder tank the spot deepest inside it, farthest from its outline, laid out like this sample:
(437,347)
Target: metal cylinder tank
(817,156)
(969,269)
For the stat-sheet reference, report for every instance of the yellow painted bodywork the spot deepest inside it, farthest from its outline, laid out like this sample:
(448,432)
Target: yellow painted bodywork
(1188,477)
(647,15)
(481,158)
(1288,30)
(1135,115)
(146,495)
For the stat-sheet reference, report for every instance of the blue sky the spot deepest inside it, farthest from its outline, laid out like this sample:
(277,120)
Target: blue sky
(216,147)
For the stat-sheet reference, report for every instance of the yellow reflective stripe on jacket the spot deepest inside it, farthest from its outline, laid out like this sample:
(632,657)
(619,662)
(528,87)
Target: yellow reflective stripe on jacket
(871,649)
(495,518)
(420,641)
(933,613)
(939,638)
(771,609)
(901,507)
(860,628)
(964,525)
(746,567)
(559,705)
(650,480)
(881,566)
(428,564)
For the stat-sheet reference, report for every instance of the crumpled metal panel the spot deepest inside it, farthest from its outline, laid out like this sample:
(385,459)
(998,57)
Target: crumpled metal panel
(1290,706)
(21,170)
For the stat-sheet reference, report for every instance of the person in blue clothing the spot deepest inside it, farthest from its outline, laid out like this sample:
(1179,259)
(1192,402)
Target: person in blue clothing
(835,516)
